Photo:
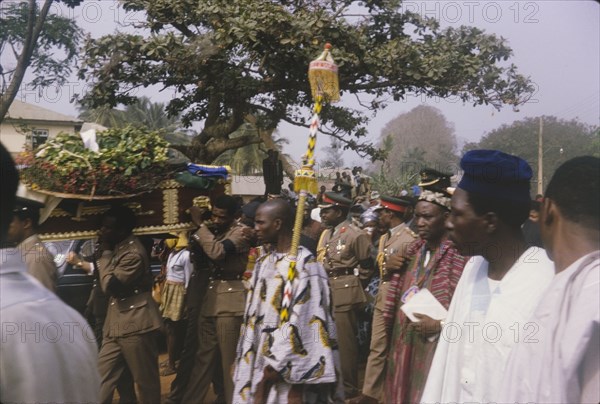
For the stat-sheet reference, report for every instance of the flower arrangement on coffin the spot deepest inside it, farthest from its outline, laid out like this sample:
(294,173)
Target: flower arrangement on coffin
(128,161)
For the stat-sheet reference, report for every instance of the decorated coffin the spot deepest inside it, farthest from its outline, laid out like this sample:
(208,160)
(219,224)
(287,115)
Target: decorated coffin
(79,176)
(163,210)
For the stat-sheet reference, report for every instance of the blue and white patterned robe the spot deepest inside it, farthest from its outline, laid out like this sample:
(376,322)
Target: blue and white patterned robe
(303,350)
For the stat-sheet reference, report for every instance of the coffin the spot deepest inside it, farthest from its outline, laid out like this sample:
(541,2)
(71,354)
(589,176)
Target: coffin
(163,210)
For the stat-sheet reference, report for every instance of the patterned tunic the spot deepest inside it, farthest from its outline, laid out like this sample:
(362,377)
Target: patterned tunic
(410,353)
(304,350)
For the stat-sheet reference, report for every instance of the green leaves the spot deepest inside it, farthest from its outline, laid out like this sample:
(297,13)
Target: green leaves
(227,59)
(130,160)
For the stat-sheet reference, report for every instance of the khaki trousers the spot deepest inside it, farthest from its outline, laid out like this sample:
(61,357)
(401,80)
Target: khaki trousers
(347,331)
(215,334)
(137,352)
(376,363)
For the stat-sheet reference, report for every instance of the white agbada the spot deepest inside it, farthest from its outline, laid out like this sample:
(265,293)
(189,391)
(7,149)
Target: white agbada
(483,326)
(303,350)
(48,351)
(564,366)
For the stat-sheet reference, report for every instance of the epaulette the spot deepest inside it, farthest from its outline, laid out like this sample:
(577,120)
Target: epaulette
(412,233)
(355,227)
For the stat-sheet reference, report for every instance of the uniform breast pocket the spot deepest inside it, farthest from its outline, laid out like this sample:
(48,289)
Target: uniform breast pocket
(131,303)
(347,292)
(231,298)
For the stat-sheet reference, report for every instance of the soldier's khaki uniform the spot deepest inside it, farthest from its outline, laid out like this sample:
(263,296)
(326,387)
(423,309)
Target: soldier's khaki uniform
(131,319)
(221,311)
(394,242)
(39,261)
(340,250)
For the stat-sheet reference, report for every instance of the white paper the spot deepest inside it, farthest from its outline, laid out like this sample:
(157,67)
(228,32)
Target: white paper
(89,140)
(423,302)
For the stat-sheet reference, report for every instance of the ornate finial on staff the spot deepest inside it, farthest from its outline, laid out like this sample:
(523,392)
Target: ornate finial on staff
(324,85)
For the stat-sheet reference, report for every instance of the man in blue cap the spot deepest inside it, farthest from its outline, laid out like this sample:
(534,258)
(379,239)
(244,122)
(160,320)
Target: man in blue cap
(500,286)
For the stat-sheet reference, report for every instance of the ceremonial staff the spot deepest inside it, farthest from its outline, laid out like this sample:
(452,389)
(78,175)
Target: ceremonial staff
(324,85)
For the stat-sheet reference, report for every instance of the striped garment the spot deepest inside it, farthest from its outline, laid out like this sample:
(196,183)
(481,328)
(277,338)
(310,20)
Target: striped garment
(410,353)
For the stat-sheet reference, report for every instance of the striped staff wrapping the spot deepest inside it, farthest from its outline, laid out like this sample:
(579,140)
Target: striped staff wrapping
(323,77)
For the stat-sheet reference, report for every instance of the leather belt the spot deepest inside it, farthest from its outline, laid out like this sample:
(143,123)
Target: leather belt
(226,277)
(340,272)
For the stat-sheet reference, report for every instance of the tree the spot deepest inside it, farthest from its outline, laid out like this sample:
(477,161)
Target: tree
(562,140)
(247,160)
(230,61)
(48,43)
(143,113)
(333,154)
(412,141)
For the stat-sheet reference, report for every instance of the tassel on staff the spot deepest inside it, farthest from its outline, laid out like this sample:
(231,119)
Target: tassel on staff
(324,85)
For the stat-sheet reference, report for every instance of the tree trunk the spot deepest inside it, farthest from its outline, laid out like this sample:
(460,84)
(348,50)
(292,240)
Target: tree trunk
(34,27)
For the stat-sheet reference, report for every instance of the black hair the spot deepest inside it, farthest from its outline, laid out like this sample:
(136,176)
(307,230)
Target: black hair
(29,213)
(283,210)
(511,213)
(228,203)
(575,188)
(9,180)
(125,218)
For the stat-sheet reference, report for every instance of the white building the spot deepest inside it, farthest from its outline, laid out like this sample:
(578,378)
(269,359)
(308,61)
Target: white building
(31,125)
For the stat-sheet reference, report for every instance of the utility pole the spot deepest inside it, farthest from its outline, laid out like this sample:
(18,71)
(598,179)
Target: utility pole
(540,182)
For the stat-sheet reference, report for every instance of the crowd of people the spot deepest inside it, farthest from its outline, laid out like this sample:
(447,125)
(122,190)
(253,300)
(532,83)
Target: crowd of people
(465,293)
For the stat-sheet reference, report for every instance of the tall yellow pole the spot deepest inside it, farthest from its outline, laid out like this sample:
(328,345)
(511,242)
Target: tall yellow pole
(540,182)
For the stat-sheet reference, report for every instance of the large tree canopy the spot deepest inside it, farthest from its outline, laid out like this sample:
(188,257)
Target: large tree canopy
(412,141)
(562,140)
(35,38)
(230,60)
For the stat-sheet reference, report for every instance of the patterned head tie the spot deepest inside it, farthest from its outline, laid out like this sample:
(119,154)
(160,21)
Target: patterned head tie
(439,198)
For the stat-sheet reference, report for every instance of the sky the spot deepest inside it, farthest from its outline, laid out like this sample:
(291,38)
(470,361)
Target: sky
(556,43)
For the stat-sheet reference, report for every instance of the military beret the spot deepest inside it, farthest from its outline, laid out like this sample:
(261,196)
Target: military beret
(331,199)
(394,203)
(495,174)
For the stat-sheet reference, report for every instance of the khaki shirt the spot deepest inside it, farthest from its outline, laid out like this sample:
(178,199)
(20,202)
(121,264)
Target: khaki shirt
(39,261)
(224,297)
(344,248)
(397,243)
(136,314)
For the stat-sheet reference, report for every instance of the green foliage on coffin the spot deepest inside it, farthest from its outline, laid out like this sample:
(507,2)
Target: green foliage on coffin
(129,161)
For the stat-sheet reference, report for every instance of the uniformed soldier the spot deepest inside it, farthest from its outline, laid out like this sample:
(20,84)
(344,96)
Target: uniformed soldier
(23,231)
(222,308)
(132,317)
(394,214)
(344,250)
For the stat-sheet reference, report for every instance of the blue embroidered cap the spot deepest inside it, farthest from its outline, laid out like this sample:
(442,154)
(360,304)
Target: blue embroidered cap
(496,174)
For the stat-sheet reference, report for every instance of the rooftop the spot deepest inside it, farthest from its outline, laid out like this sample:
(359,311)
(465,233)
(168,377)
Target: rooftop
(30,112)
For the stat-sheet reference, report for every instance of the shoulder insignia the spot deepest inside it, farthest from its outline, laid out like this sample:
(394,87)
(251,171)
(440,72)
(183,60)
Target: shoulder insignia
(409,231)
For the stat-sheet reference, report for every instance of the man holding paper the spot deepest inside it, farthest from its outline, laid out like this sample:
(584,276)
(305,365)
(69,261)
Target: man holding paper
(500,286)
(434,270)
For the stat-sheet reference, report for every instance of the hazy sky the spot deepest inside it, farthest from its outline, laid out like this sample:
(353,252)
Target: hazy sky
(556,43)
